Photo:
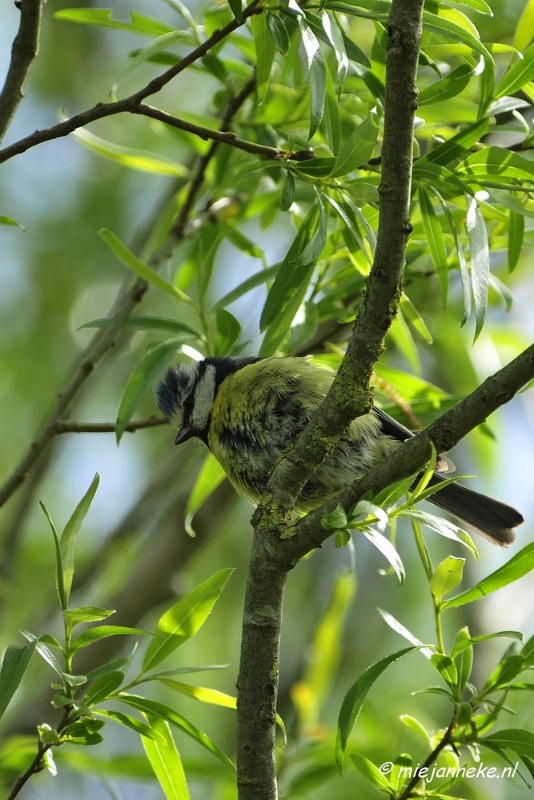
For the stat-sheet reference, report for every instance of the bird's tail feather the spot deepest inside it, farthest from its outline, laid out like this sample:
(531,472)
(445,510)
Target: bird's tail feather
(494,520)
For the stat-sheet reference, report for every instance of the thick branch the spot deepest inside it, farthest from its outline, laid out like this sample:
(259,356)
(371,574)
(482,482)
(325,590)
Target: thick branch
(225,137)
(444,433)
(348,398)
(349,395)
(24,50)
(129,103)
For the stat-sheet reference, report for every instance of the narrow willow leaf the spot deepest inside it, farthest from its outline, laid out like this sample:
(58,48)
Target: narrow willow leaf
(265,49)
(289,276)
(76,616)
(141,379)
(446,668)
(134,724)
(315,246)
(60,582)
(279,33)
(139,23)
(332,117)
(255,280)
(141,56)
(452,31)
(447,576)
(200,693)
(10,221)
(316,75)
(401,334)
(480,261)
(68,537)
(519,565)
(461,643)
(141,160)
(479,5)
(278,329)
(237,8)
(447,87)
(164,712)
(335,37)
(521,73)
(464,272)
(399,628)
(228,331)
(414,317)
(14,664)
(104,632)
(524,33)
(520,741)
(288,192)
(498,163)
(436,242)
(184,619)
(516,232)
(210,476)
(358,148)
(147,323)
(458,144)
(137,266)
(372,773)
(353,51)
(354,700)
(102,687)
(165,761)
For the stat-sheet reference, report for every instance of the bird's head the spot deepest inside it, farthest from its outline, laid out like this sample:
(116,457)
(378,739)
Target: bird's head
(185,396)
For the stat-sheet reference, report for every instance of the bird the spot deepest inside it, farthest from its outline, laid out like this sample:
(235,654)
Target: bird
(247,411)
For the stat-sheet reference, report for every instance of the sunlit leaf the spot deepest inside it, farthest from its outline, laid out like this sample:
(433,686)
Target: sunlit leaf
(103,632)
(265,49)
(14,664)
(453,84)
(447,576)
(68,537)
(358,148)
(515,239)
(141,160)
(524,32)
(165,760)
(279,33)
(517,76)
(480,261)
(10,221)
(147,323)
(436,242)
(139,23)
(316,75)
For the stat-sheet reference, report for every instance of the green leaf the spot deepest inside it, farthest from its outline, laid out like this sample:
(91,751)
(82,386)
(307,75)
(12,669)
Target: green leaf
(516,232)
(201,694)
(461,643)
(250,283)
(524,32)
(446,668)
(165,761)
(137,266)
(492,163)
(102,687)
(237,8)
(383,544)
(410,312)
(139,23)
(141,160)
(14,664)
(265,49)
(83,731)
(335,38)
(458,144)
(68,537)
(436,242)
(521,742)
(288,192)
(521,73)
(164,712)
(358,148)
(10,221)
(464,272)
(353,51)
(278,31)
(315,246)
(316,75)
(371,772)
(290,276)
(452,31)
(354,700)
(148,53)
(480,261)
(404,341)
(209,477)
(76,616)
(228,331)
(103,632)
(134,724)
(336,519)
(447,87)
(519,565)
(60,584)
(184,619)
(147,323)
(447,576)
(278,329)
(141,379)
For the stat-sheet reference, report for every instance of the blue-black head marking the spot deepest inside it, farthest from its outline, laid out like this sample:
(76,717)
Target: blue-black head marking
(167,393)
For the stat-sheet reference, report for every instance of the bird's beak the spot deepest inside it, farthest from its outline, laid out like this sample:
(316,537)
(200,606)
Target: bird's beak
(184,434)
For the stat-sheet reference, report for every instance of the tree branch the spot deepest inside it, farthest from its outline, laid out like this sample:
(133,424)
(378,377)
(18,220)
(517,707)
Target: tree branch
(225,137)
(422,771)
(71,426)
(348,398)
(25,49)
(127,104)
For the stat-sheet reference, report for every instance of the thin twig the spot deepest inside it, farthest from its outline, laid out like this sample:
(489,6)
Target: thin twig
(24,50)
(70,426)
(127,104)
(225,137)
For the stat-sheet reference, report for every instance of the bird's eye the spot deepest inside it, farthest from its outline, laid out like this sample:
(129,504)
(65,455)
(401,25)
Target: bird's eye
(188,404)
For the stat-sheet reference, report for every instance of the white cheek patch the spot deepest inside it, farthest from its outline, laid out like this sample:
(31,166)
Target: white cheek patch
(204,397)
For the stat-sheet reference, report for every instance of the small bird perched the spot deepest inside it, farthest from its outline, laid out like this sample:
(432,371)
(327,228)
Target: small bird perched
(247,411)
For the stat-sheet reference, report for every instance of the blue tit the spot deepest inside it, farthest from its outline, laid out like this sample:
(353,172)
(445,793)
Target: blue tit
(248,410)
